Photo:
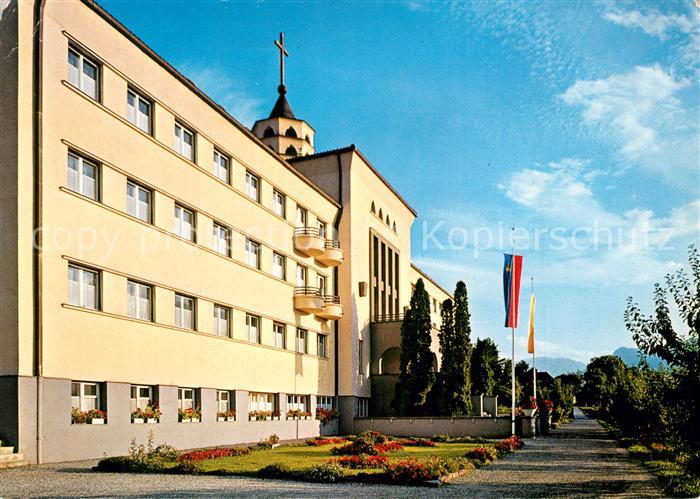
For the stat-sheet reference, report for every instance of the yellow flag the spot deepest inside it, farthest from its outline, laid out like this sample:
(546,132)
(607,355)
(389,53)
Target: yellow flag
(531,329)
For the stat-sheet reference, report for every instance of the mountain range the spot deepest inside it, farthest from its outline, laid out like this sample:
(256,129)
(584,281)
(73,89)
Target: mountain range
(561,365)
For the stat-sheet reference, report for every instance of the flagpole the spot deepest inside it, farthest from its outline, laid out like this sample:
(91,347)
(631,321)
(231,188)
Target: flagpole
(512,332)
(534,368)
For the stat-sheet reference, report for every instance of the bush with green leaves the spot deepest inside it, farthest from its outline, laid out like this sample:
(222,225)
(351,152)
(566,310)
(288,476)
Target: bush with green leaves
(325,473)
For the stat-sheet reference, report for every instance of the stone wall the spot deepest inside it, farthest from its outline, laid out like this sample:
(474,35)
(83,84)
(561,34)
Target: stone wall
(427,427)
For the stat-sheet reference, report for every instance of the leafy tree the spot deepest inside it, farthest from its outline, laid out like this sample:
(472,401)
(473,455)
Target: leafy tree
(562,396)
(603,378)
(655,335)
(484,367)
(457,379)
(523,380)
(417,376)
(503,380)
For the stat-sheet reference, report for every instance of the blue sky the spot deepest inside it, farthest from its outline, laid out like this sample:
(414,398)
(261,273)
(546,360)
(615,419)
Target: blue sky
(557,118)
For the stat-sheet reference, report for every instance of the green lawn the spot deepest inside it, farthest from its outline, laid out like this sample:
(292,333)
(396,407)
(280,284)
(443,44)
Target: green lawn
(299,458)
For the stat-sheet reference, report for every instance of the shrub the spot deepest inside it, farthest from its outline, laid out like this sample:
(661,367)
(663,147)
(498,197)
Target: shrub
(440,438)
(326,415)
(274,471)
(118,464)
(325,473)
(481,454)
(442,466)
(509,444)
(388,447)
(187,468)
(362,461)
(319,441)
(273,439)
(374,435)
(411,471)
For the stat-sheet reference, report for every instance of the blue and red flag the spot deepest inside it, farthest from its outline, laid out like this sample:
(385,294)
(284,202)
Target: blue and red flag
(512,269)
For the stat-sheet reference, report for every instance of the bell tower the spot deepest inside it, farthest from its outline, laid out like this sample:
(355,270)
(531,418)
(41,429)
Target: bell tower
(282,131)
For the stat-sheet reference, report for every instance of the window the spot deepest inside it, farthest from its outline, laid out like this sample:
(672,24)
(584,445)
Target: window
(186,398)
(297,402)
(280,333)
(138,202)
(301,216)
(85,396)
(322,229)
(184,141)
(252,324)
(322,345)
(83,73)
(252,184)
(222,239)
(83,287)
(223,401)
(279,203)
(324,402)
(321,285)
(279,266)
(139,110)
(184,311)
(82,176)
(221,320)
(362,407)
(221,162)
(261,402)
(291,151)
(301,276)
(360,356)
(434,305)
(301,346)
(252,253)
(141,397)
(184,223)
(140,300)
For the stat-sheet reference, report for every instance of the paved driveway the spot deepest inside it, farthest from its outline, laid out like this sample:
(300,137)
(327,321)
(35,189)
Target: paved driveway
(578,460)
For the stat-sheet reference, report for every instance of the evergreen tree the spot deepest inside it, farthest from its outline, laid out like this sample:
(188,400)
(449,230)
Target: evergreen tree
(417,374)
(438,399)
(484,367)
(459,383)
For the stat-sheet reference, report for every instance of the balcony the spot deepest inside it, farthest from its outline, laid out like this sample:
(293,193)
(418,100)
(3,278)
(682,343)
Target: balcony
(332,255)
(308,299)
(308,240)
(332,309)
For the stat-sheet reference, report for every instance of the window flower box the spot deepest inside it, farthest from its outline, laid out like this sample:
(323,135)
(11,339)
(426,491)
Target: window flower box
(260,415)
(325,416)
(307,415)
(276,415)
(294,414)
(189,415)
(226,416)
(93,416)
(149,415)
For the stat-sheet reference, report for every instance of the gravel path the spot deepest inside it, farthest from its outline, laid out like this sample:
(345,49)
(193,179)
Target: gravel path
(579,460)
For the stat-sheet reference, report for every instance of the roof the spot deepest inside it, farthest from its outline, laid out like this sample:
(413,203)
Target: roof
(197,91)
(353,148)
(282,108)
(421,272)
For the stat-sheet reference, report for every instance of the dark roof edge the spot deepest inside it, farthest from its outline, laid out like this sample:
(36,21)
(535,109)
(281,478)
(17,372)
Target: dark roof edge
(190,85)
(433,281)
(353,148)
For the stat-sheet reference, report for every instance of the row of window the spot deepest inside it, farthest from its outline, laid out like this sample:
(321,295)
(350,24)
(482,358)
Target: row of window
(84,291)
(84,74)
(83,178)
(88,396)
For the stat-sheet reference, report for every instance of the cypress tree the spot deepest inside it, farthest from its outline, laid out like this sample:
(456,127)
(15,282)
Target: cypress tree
(446,336)
(460,383)
(417,375)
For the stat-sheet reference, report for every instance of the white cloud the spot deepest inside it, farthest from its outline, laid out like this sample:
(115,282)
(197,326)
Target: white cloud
(225,91)
(653,22)
(642,113)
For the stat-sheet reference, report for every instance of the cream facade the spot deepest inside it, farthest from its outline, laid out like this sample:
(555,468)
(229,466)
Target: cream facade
(179,258)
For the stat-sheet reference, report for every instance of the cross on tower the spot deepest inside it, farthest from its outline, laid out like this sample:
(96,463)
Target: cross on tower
(283,54)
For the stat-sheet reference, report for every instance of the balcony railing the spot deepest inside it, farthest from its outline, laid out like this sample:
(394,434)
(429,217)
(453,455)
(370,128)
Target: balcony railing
(308,240)
(387,318)
(332,309)
(332,254)
(308,299)
(332,243)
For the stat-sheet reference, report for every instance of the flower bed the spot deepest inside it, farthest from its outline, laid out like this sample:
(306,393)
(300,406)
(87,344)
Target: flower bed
(362,461)
(200,455)
(319,441)
(414,442)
